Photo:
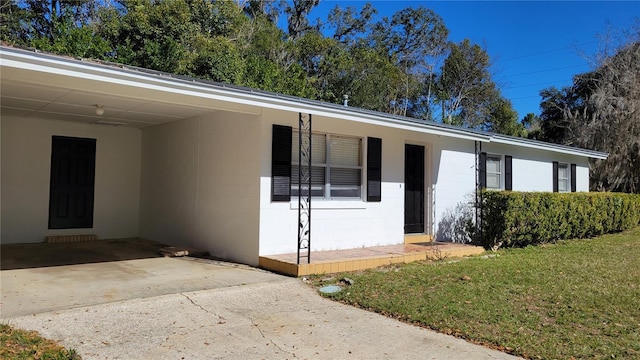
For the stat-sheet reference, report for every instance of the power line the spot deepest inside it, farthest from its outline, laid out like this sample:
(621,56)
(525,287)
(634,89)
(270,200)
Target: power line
(536,84)
(539,71)
(543,52)
(553,50)
(524,97)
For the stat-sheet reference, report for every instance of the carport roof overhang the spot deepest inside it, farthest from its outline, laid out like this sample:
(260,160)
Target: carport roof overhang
(34,82)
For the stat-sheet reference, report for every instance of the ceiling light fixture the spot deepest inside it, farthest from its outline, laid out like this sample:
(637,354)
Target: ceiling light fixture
(110,123)
(99,110)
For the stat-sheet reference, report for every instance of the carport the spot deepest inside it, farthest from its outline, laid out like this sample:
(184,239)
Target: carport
(152,137)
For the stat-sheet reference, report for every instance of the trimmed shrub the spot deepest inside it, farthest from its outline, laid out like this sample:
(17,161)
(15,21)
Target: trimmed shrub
(518,219)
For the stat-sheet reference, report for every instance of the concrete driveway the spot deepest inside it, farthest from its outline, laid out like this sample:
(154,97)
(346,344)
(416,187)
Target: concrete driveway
(44,277)
(182,308)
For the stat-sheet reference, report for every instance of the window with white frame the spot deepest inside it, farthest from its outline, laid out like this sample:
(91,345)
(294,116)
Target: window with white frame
(563,177)
(336,166)
(494,172)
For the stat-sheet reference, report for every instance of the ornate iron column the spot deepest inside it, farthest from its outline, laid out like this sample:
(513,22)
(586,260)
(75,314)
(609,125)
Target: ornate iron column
(478,200)
(304,187)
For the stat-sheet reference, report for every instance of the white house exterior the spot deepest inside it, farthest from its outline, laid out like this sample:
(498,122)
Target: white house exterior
(190,162)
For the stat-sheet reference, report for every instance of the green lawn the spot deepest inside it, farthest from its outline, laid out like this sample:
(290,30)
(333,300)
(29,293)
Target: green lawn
(16,344)
(574,299)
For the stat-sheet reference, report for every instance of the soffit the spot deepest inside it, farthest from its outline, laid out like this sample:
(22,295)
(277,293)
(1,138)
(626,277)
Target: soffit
(59,97)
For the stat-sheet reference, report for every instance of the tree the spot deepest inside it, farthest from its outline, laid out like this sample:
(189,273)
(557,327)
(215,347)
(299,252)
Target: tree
(12,18)
(150,34)
(268,9)
(347,27)
(413,39)
(610,119)
(601,111)
(410,36)
(297,14)
(555,126)
(59,26)
(532,124)
(503,119)
(465,88)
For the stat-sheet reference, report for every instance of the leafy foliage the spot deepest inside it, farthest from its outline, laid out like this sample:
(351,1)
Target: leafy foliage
(385,64)
(517,219)
(601,111)
(58,26)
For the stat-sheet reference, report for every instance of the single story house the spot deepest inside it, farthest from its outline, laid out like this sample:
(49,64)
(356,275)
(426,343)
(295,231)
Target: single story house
(99,148)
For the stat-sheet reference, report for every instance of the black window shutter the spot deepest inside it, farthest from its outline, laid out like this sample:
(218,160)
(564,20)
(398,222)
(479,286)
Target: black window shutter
(374,169)
(573,177)
(508,173)
(281,163)
(555,176)
(483,170)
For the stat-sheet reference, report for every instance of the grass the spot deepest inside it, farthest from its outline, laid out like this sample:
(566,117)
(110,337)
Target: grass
(577,299)
(16,344)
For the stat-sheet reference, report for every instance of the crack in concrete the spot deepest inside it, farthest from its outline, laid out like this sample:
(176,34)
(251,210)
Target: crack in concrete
(221,319)
(270,340)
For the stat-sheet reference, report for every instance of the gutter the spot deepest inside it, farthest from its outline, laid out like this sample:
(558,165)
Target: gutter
(534,144)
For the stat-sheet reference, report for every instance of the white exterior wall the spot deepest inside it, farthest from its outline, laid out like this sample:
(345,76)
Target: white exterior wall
(582,175)
(200,184)
(450,180)
(344,224)
(533,169)
(336,224)
(455,180)
(26,168)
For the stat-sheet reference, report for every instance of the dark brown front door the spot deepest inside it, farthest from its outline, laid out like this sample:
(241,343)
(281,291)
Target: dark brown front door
(413,189)
(72,184)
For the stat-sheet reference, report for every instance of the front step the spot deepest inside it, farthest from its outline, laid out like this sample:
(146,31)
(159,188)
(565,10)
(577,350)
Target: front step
(417,238)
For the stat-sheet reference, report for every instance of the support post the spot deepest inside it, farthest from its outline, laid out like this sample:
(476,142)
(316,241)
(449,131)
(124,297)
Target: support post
(478,197)
(304,187)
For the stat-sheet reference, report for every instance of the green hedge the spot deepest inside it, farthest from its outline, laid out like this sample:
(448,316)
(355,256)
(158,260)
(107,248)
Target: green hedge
(523,218)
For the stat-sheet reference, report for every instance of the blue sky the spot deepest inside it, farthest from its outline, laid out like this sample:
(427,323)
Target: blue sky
(534,44)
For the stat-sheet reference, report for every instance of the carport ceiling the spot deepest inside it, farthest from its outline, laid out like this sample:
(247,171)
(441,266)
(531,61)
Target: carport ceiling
(68,104)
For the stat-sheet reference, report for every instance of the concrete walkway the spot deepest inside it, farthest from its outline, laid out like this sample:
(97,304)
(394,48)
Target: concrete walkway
(282,319)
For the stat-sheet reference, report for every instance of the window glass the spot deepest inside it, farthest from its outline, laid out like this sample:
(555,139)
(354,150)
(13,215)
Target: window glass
(345,151)
(345,182)
(317,181)
(562,171)
(336,170)
(493,165)
(494,168)
(318,148)
(493,181)
(563,177)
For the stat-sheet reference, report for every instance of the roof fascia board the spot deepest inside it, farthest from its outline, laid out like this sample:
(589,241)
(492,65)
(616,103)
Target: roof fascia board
(102,73)
(397,124)
(549,147)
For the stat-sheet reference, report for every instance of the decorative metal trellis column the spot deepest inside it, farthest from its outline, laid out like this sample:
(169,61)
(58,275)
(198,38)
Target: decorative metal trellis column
(478,201)
(304,187)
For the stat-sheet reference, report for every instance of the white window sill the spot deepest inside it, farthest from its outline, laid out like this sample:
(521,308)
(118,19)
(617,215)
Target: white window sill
(330,204)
